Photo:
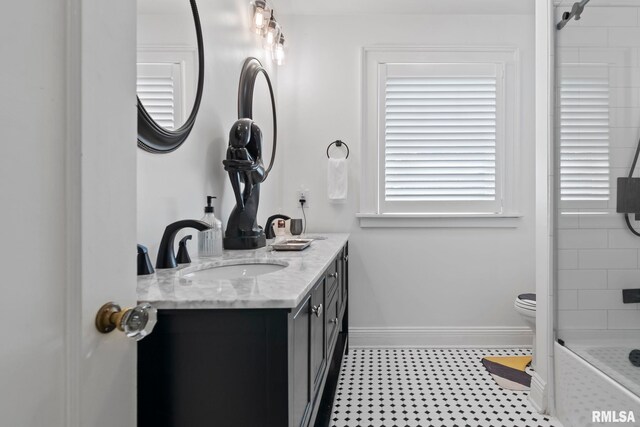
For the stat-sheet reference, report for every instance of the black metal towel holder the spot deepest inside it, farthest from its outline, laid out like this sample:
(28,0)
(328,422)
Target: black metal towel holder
(338,143)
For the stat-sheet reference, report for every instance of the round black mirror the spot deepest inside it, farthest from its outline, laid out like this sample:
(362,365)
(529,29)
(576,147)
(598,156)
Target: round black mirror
(164,77)
(251,69)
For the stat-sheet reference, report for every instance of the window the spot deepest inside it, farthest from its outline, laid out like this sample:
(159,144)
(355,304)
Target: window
(440,129)
(166,82)
(584,136)
(439,137)
(160,91)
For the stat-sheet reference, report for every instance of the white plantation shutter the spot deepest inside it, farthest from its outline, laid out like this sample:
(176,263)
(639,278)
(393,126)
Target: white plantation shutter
(160,91)
(584,136)
(441,129)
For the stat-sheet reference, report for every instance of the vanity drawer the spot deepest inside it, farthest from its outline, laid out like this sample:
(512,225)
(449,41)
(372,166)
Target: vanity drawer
(333,277)
(333,310)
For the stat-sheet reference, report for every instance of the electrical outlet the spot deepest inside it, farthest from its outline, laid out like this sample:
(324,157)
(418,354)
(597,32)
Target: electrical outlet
(303,195)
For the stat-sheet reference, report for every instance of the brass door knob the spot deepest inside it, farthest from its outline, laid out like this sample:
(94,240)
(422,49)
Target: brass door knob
(136,322)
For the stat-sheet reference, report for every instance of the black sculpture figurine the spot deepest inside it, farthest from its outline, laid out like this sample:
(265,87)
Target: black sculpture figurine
(244,165)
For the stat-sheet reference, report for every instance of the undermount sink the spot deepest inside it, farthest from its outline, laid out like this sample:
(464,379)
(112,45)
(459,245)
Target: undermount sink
(235,271)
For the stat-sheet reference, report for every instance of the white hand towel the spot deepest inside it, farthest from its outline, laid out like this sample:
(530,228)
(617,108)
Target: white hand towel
(337,179)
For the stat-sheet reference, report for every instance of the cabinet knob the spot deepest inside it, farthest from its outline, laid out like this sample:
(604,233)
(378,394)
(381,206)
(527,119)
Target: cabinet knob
(317,310)
(334,275)
(345,258)
(334,320)
(136,323)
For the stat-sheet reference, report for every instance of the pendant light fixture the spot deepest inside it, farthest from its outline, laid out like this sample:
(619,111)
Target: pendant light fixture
(264,24)
(278,51)
(272,34)
(261,14)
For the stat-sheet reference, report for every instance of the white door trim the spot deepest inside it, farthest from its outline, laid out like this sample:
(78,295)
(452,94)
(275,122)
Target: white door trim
(543,204)
(538,396)
(73,189)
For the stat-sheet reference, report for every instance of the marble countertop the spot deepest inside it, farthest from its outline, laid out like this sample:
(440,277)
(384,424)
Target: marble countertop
(178,288)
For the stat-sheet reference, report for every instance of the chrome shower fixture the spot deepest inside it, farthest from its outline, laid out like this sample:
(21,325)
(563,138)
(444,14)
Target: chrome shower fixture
(576,12)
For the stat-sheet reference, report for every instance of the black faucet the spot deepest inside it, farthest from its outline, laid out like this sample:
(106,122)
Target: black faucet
(268,228)
(183,254)
(166,255)
(144,263)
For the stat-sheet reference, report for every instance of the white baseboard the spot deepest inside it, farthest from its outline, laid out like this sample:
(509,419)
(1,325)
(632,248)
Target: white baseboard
(538,394)
(477,337)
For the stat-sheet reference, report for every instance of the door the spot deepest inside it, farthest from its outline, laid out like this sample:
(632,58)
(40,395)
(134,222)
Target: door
(104,157)
(67,185)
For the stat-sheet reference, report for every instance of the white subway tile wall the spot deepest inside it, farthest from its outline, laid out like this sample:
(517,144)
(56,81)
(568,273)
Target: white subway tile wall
(597,255)
(582,279)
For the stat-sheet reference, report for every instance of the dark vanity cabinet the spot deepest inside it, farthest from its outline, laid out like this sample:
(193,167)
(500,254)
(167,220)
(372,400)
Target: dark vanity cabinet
(247,367)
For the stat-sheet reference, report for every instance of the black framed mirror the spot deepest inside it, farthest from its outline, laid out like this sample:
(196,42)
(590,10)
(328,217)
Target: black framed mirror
(251,69)
(157,135)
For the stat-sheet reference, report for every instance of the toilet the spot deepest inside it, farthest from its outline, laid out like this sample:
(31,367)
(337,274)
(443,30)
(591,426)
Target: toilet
(525,305)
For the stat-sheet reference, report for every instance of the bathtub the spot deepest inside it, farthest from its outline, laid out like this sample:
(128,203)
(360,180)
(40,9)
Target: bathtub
(591,377)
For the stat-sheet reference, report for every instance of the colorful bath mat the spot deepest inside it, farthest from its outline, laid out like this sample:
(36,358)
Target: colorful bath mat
(509,372)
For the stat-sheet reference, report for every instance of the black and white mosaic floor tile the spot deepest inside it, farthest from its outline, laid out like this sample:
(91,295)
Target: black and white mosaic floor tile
(428,388)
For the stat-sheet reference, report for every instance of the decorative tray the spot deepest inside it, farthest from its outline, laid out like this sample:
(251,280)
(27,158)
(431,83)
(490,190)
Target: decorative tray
(292,245)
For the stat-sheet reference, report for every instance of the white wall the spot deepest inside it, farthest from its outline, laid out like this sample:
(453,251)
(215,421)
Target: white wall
(173,186)
(405,278)
(32,190)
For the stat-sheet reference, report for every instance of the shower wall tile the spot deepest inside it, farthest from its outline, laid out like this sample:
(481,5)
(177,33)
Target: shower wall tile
(568,221)
(624,37)
(621,157)
(583,319)
(609,220)
(568,299)
(623,279)
(593,270)
(622,238)
(567,259)
(623,77)
(624,137)
(625,117)
(619,57)
(624,97)
(624,319)
(582,279)
(602,299)
(576,238)
(575,71)
(610,17)
(607,258)
(587,37)
(569,54)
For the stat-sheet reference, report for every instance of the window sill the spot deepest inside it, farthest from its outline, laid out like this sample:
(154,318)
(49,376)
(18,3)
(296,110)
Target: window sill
(368,220)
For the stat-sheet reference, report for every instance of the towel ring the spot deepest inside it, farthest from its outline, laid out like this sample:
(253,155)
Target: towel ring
(338,143)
